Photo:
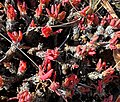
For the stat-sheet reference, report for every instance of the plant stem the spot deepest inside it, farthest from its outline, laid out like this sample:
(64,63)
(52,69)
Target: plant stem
(37,67)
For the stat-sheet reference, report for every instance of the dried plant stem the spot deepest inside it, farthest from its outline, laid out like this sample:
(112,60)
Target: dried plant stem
(93,4)
(74,7)
(90,6)
(87,1)
(116,56)
(65,39)
(98,9)
(37,67)
(66,24)
(84,85)
(63,25)
(108,7)
(116,65)
(96,4)
(99,14)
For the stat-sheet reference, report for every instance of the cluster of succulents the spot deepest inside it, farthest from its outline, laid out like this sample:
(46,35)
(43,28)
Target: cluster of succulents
(59,50)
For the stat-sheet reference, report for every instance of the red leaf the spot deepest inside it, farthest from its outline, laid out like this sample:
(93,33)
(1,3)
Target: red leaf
(49,66)
(20,36)
(32,24)
(108,71)
(96,20)
(113,40)
(21,8)
(56,11)
(99,65)
(99,87)
(44,1)
(54,86)
(1,81)
(112,22)
(71,81)
(12,37)
(22,67)
(75,66)
(58,31)
(83,12)
(46,31)
(52,9)
(46,75)
(48,12)
(94,39)
(38,11)
(91,53)
(61,15)
(24,96)
(11,12)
